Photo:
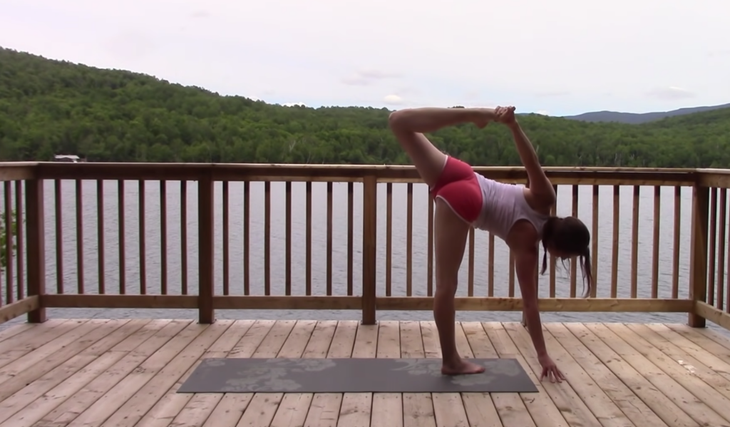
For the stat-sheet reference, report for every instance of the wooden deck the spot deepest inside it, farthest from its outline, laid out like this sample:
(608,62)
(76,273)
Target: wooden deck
(125,373)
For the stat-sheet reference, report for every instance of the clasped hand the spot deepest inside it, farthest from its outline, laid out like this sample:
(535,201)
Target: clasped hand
(504,115)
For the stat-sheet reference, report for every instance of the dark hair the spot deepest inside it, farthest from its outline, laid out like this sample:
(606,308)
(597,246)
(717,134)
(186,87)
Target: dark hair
(570,236)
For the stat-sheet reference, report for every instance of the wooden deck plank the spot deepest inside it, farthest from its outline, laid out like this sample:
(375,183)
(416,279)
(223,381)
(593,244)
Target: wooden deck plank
(324,408)
(513,409)
(600,404)
(406,409)
(652,397)
(634,409)
(12,349)
(574,411)
(667,384)
(188,409)
(17,375)
(126,373)
(232,406)
(263,406)
(13,330)
(116,387)
(704,365)
(691,380)
(35,389)
(151,385)
(448,408)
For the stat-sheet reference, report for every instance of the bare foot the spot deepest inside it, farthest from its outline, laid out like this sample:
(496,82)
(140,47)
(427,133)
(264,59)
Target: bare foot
(462,368)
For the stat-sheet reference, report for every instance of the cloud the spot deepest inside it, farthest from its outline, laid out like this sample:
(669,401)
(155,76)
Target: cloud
(367,77)
(200,14)
(393,100)
(670,93)
(553,93)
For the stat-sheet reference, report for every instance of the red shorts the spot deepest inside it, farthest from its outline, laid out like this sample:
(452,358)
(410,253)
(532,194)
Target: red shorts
(459,188)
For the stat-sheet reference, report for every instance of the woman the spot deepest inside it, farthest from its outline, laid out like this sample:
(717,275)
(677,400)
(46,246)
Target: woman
(465,199)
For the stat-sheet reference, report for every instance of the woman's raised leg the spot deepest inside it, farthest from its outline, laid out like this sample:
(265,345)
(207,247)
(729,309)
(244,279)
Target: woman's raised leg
(409,125)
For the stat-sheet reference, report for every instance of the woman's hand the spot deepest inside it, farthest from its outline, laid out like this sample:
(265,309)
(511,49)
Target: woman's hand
(505,115)
(550,370)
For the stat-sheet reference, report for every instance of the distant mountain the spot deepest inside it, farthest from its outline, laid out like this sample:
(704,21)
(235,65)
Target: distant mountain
(636,118)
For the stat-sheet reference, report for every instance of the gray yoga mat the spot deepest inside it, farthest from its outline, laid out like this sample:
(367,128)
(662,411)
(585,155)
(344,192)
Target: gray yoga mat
(258,375)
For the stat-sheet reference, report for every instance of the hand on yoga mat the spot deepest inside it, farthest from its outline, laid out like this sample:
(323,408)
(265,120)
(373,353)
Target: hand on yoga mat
(550,370)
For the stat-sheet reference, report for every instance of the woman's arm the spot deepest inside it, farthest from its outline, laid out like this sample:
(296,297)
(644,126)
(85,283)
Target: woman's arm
(526,265)
(526,268)
(540,186)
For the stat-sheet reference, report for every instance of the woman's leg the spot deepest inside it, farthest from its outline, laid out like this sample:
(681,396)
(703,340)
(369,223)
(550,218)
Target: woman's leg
(450,233)
(409,125)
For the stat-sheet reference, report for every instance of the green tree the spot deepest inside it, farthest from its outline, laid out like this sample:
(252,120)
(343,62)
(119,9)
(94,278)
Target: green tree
(55,107)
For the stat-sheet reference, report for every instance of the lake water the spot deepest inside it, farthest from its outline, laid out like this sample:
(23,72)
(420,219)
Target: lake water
(339,267)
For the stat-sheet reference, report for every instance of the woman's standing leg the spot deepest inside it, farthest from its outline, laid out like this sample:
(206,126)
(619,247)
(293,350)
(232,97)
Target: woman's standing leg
(450,233)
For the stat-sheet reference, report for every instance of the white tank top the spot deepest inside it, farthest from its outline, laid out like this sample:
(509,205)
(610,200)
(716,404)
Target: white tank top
(502,206)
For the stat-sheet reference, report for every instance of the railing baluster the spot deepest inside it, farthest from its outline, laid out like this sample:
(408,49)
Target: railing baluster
(20,242)
(711,249)
(574,261)
(614,255)
(226,240)
(490,273)
(721,252)
(183,237)
(246,237)
(655,246)
(635,242)
(267,238)
(389,238)
(553,271)
(470,285)
(100,235)
(122,239)
(677,228)
(308,231)
(142,239)
(594,241)
(58,199)
(9,235)
(163,237)
(79,237)
(329,237)
(350,229)
(287,239)
(409,239)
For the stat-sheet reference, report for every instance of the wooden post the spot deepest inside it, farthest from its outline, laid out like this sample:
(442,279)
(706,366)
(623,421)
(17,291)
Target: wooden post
(36,255)
(206,236)
(369,231)
(698,252)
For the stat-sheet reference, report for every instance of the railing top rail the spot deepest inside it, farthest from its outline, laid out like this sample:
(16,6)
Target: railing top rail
(348,172)
(15,171)
(560,175)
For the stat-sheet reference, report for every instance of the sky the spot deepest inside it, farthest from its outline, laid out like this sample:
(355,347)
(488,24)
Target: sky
(557,57)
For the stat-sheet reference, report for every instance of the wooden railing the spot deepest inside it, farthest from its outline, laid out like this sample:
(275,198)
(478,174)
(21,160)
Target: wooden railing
(356,254)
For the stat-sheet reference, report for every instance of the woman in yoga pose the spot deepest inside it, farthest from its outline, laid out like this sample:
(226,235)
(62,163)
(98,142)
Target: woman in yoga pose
(518,215)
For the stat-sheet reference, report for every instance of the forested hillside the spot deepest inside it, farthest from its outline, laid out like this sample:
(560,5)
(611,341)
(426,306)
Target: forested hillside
(49,107)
